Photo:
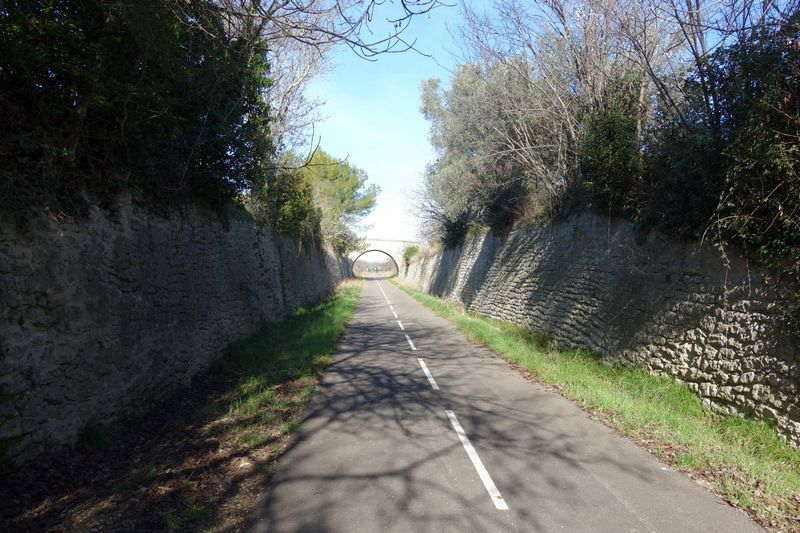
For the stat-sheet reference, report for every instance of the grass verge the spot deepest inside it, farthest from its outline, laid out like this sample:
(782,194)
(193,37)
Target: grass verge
(742,460)
(199,462)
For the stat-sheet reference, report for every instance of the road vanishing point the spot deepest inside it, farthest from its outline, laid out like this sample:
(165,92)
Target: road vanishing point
(414,428)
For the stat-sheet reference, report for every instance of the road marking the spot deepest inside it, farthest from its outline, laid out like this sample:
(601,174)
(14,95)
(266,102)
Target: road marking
(395,314)
(491,488)
(384,294)
(401,325)
(410,343)
(428,374)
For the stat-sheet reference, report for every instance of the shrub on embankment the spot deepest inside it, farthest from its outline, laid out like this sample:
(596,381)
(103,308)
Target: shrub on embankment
(164,100)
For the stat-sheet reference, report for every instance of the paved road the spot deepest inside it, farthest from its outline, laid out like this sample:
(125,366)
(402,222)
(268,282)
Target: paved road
(473,447)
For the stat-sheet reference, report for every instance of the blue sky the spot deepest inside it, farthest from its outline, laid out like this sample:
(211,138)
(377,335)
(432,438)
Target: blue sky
(373,117)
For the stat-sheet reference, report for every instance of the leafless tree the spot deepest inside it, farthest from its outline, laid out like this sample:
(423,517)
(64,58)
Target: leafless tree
(292,66)
(298,34)
(320,23)
(669,37)
(551,62)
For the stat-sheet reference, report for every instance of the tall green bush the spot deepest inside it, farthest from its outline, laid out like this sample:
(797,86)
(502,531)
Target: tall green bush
(759,87)
(610,160)
(683,179)
(99,97)
(291,206)
(736,170)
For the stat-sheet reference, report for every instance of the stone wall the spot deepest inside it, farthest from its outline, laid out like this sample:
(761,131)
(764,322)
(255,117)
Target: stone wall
(676,309)
(117,311)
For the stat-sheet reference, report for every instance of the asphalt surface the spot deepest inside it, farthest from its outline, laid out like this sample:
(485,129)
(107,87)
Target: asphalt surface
(382,450)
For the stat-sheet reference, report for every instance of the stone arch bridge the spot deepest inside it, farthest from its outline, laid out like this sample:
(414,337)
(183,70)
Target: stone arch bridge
(392,247)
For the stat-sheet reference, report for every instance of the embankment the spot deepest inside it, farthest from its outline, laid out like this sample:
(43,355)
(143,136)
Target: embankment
(104,316)
(678,309)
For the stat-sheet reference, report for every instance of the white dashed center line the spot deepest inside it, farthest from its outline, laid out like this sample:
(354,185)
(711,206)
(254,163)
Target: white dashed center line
(384,294)
(410,342)
(428,374)
(491,488)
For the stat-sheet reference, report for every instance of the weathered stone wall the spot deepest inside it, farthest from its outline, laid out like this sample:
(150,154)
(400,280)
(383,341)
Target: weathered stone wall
(104,316)
(676,309)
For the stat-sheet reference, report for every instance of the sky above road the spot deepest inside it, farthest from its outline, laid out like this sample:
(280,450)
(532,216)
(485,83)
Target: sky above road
(373,119)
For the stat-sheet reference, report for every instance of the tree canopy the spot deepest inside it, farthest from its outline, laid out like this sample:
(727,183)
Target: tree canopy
(324,194)
(99,97)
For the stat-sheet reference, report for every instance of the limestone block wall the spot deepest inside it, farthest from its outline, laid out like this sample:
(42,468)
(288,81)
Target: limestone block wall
(674,308)
(102,316)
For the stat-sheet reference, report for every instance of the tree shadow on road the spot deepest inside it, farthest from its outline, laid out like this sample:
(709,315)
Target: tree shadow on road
(376,433)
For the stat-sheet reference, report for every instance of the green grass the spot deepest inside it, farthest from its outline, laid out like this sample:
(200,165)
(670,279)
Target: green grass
(742,459)
(181,519)
(274,371)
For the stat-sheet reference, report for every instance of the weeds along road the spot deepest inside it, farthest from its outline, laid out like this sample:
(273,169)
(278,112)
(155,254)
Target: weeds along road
(416,429)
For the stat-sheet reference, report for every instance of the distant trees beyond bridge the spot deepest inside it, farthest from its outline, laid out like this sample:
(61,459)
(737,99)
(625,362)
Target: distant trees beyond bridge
(393,248)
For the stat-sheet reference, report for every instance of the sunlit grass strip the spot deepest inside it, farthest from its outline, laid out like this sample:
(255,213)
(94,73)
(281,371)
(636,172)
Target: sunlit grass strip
(742,459)
(269,378)
(274,370)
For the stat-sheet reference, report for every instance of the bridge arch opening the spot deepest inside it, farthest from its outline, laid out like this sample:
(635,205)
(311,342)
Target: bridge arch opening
(375,264)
